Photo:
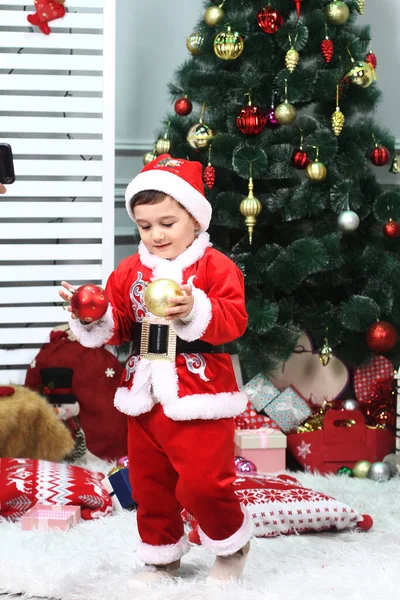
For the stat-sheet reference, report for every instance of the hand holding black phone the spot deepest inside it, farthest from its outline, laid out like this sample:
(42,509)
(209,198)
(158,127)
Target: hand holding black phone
(7,174)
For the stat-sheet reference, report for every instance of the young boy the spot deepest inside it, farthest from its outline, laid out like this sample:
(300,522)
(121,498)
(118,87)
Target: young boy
(181,425)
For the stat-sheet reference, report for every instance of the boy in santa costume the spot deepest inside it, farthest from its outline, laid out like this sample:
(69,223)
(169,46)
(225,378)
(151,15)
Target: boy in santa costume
(181,409)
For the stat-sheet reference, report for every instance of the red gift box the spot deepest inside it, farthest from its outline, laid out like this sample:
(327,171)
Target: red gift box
(335,446)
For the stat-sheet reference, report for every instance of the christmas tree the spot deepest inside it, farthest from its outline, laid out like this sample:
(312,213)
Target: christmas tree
(277,102)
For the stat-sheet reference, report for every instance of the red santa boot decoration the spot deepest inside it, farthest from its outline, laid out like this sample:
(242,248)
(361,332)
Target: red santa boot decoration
(45,12)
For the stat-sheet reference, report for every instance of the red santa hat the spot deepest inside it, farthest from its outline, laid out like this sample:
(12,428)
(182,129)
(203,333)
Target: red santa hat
(181,179)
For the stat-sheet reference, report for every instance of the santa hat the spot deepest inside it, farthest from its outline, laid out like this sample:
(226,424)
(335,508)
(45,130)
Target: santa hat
(181,179)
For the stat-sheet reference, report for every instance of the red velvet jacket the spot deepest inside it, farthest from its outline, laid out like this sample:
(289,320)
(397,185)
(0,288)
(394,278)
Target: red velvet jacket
(196,385)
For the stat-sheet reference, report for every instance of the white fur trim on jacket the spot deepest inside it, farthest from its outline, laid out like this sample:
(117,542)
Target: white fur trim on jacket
(173,269)
(200,319)
(206,406)
(233,543)
(96,334)
(162,555)
(162,181)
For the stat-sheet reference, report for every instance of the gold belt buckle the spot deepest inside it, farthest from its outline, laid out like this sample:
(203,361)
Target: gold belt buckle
(145,340)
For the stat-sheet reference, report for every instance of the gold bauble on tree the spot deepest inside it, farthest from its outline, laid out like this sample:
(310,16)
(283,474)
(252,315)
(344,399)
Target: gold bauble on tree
(163,145)
(149,156)
(338,116)
(250,208)
(316,171)
(194,43)
(157,293)
(214,15)
(285,113)
(228,45)
(337,12)
(361,73)
(200,136)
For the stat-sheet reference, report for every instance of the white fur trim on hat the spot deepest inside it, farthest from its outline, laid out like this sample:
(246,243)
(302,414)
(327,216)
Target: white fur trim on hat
(176,187)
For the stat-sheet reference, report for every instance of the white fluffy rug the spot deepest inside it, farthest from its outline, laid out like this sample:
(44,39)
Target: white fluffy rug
(96,559)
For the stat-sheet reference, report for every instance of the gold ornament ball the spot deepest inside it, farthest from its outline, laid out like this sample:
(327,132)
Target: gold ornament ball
(163,146)
(194,43)
(361,74)
(337,12)
(199,136)
(157,293)
(213,15)
(250,208)
(316,171)
(228,45)
(148,157)
(285,113)
(361,469)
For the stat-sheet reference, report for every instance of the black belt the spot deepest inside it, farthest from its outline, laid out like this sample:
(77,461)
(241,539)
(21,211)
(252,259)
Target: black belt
(158,342)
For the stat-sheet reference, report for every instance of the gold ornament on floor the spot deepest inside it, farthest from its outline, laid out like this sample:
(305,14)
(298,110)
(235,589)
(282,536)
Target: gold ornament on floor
(292,56)
(149,156)
(194,43)
(360,5)
(337,12)
(285,113)
(228,45)
(250,208)
(316,171)
(361,469)
(338,116)
(214,15)
(200,135)
(325,353)
(157,293)
(163,145)
(395,168)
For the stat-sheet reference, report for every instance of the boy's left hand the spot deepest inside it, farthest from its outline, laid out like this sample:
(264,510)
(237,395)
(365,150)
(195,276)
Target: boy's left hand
(181,306)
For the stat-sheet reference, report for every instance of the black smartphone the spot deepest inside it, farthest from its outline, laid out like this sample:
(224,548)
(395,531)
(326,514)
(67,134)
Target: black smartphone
(7,174)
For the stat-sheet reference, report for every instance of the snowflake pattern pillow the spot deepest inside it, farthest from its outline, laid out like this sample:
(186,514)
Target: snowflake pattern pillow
(280,505)
(24,482)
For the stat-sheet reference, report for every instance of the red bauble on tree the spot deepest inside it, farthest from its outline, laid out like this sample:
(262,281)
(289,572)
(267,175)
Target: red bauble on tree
(300,159)
(327,49)
(209,176)
(391,229)
(89,302)
(379,156)
(270,19)
(251,120)
(371,59)
(183,107)
(381,336)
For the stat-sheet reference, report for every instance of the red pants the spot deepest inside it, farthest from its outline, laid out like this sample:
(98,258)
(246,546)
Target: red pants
(190,464)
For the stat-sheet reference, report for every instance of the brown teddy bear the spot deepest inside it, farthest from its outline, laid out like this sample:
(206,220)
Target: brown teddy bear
(29,427)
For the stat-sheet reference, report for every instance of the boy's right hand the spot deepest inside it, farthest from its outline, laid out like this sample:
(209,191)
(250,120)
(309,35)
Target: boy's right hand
(66,294)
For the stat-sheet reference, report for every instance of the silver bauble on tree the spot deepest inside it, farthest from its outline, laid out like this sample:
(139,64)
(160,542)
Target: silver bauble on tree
(348,220)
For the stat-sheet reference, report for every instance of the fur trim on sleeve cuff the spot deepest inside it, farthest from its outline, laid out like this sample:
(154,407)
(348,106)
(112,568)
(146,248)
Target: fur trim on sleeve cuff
(96,334)
(162,555)
(233,543)
(200,319)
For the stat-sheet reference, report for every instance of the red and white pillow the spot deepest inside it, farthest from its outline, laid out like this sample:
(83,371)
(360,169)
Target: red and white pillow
(25,482)
(282,506)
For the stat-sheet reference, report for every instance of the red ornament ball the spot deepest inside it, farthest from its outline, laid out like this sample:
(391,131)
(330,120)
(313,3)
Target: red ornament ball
(272,121)
(380,156)
(381,336)
(270,19)
(327,49)
(251,120)
(371,59)
(89,302)
(391,229)
(366,523)
(246,466)
(300,159)
(183,107)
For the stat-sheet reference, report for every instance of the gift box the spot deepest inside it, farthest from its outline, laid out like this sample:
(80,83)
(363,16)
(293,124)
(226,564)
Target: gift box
(338,444)
(46,517)
(288,410)
(119,488)
(260,392)
(265,447)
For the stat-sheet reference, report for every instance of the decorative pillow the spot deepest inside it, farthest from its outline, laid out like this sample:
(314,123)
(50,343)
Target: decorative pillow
(281,506)
(24,482)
